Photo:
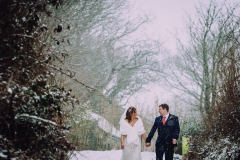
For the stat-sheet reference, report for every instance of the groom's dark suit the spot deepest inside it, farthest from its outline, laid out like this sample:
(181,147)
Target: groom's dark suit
(166,134)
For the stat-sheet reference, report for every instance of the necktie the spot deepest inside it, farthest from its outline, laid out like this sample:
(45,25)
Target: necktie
(164,120)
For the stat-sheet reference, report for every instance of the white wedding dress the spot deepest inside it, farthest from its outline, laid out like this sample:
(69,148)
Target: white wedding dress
(132,139)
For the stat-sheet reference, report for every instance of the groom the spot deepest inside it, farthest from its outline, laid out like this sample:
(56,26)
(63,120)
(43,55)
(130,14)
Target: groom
(168,132)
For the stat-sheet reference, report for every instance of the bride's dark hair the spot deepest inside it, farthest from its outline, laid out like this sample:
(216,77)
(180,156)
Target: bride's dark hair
(129,112)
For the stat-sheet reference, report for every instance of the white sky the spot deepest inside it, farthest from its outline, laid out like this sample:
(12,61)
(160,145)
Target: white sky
(167,17)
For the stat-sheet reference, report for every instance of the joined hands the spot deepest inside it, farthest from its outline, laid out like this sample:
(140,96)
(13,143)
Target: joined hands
(147,144)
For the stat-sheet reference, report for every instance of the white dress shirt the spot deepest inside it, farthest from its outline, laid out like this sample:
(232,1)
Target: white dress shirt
(166,116)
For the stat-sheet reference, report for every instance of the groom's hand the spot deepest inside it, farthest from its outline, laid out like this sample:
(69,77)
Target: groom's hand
(148,144)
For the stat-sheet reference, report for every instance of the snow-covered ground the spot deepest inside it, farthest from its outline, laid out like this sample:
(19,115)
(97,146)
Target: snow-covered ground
(111,155)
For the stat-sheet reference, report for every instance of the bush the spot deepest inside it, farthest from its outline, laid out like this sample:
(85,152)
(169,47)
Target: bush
(31,115)
(220,140)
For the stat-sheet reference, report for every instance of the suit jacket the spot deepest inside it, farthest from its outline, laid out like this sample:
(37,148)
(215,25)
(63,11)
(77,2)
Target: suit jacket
(167,132)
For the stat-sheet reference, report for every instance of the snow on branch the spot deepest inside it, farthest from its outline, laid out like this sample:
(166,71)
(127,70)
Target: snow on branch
(37,118)
(23,35)
(69,75)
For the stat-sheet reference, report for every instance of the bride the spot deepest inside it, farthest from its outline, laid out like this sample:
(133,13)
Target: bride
(131,130)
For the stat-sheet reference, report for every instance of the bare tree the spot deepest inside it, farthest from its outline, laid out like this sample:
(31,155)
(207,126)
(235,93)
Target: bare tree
(101,60)
(194,70)
(105,56)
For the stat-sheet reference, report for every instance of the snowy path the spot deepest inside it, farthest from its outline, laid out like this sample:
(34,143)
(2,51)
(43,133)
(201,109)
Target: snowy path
(110,155)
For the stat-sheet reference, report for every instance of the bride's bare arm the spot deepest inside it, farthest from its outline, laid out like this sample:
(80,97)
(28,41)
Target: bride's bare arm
(144,136)
(122,141)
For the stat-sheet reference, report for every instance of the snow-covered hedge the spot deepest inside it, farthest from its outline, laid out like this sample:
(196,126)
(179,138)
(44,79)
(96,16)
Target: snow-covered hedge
(31,116)
(221,149)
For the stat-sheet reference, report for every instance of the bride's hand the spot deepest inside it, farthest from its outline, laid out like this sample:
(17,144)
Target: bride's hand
(122,146)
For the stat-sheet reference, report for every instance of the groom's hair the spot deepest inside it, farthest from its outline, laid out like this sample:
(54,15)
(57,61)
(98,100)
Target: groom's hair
(164,106)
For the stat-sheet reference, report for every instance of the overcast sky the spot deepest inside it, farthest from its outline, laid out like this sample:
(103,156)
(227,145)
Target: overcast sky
(166,18)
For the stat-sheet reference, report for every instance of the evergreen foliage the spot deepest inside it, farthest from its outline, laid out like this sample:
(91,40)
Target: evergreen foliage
(31,115)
